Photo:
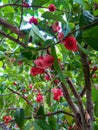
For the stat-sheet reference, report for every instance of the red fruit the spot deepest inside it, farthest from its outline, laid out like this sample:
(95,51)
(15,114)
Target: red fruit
(15,83)
(33,20)
(47,78)
(7,119)
(24,90)
(35,71)
(51,7)
(57,93)
(30,86)
(60,36)
(94,76)
(70,43)
(56,27)
(94,68)
(20,63)
(44,62)
(39,97)
(26,5)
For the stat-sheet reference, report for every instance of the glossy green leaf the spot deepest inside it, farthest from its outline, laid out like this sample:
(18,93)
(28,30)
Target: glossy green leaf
(91,37)
(51,16)
(8,9)
(43,124)
(39,2)
(56,65)
(86,18)
(20,117)
(95,99)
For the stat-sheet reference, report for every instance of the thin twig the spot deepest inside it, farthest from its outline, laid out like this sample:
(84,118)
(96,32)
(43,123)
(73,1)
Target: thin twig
(13,39)
(32,7)
(21,96)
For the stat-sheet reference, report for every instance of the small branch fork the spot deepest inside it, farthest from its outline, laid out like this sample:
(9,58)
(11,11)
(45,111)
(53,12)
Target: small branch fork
(22,96)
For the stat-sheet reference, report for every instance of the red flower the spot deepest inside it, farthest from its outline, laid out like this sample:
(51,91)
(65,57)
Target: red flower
(56,27)
(52,7)
(70,43)
(47,78)
(20,63)
(30,86)
(60,36)
(57,93)
(26,5)
(39,97)
(7,119)
(33,20)
(35,71)
(48,60)
(44,62)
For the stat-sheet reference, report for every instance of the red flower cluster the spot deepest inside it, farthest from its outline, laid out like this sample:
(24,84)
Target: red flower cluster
(26,5)
(39,97)
(30,86)
(60,36)
(70,43)
(33,20)
(51,8)
(44,62)
(7,119)
(35,71)
(56,27)
(57,93)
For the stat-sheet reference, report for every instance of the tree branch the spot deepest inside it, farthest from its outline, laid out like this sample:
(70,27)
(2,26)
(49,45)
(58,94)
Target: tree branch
(54,113)
(21,96)
(13,39)
(11,27)
(87,76)
(78,98)
(70,102)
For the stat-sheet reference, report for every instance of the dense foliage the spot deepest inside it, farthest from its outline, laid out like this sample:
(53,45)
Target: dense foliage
(49,64)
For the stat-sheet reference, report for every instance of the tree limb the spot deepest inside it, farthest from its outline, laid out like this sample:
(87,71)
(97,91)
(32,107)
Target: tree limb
(87,76)
(78,98)
(12,28)
(13,39)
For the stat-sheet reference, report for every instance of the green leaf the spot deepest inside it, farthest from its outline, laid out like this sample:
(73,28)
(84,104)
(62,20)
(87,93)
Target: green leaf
(20,117)
(45,28)
(85,51)
(1,102)
(86,18)
(56,65)
(36,126)
(95,99)
(35,33)
(43,124)
(41,111)
(52,122)
(91,37)
(2,55)
(51,16)
(39,2)
(8,9)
